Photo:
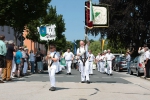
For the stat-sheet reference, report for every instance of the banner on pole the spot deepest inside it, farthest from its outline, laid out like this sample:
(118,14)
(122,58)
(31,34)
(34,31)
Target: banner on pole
(47,32)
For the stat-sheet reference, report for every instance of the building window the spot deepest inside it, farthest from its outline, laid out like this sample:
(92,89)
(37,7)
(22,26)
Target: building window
(8,30)
(2,28)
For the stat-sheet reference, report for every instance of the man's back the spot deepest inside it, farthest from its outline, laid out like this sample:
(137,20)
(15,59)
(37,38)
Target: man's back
(2,48)
(18,57)
(9,54)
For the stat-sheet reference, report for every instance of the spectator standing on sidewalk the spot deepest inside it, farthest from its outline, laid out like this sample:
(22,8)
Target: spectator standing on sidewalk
(25,62)
(3,52)
(147,62)
(9,58)
(39,61)
(18,61)
(128,59)
(32,61)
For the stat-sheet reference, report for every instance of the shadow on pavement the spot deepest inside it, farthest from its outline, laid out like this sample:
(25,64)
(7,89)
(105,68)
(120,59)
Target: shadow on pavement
(59,88)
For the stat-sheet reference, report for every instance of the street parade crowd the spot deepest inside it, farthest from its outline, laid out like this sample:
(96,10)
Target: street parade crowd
(15,61)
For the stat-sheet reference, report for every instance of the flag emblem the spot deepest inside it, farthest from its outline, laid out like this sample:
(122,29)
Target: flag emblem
(43,31)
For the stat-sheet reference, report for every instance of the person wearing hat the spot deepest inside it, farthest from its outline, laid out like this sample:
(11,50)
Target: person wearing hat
(3,52)
(9,58)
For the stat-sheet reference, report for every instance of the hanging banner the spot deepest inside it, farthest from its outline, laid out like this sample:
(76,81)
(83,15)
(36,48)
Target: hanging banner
(47,32)
(96,15)
(101,16)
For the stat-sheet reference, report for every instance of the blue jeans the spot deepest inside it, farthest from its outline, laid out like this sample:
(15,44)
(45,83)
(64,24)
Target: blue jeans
(40,65)
(32,66)
(128,66)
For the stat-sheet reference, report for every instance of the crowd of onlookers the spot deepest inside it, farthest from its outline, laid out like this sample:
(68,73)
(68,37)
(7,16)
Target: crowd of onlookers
(15,61)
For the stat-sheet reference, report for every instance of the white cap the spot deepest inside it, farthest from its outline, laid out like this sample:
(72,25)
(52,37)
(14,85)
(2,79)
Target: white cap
(105,51)
(6,41)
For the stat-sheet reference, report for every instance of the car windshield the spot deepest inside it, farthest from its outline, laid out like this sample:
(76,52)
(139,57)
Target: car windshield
(121,58)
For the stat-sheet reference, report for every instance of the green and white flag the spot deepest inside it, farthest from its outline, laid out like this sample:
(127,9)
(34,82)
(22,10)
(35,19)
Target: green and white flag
(92,16)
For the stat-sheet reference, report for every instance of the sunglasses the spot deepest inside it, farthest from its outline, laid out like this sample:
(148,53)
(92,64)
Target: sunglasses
(51,47)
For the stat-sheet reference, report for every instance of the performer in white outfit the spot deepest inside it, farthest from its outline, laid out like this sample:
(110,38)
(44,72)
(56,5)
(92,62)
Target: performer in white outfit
(102,63)
(69,58)
(58,67)
(82,51)
(91,60)
(53,63)
(109,58)
(98,61)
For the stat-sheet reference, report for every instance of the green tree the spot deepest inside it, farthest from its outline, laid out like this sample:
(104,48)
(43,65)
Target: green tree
(95,47)
(18,13)
(50,18)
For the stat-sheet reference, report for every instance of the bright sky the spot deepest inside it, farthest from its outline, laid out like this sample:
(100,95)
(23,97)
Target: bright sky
(74,15)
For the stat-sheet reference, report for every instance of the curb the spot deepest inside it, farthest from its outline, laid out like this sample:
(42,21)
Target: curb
(144,78)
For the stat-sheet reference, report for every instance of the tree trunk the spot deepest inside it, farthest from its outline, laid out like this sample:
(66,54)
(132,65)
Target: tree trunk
(15,37)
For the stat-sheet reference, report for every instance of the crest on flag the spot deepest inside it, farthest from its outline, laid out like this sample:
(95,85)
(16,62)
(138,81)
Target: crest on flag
(47,32)
(96,15)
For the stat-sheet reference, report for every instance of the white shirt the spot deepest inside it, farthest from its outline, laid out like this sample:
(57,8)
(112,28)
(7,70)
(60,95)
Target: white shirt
(32,57)
(91,57)
(109,56)
(147,55)
(98,57)
(128,58)
(55,64)
(23,54)
(82,50)
(68,55)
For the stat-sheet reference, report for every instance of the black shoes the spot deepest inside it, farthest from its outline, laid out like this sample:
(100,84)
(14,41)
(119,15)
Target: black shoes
(82,81)
(68,74)
(88,82)
(1,81)
(52,89)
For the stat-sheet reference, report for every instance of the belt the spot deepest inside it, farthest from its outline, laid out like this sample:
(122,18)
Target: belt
(90,61)
(109,60)
(68,60)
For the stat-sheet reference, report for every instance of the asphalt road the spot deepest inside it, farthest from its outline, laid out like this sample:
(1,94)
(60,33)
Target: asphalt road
(97,77)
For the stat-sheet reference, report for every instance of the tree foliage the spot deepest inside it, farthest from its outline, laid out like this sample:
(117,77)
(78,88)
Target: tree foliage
(129,21)
(51,17)
(18,13)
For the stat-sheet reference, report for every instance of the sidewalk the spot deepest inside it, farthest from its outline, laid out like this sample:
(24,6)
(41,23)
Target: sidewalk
(146,78)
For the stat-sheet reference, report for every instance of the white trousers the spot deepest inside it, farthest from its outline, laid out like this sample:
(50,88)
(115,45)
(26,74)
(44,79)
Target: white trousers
(109,67)
(91,67)
(51,72)
(25,67)
(98,66)
(57,68)
(84,70)
(68,64)
(13,67)
(102,67)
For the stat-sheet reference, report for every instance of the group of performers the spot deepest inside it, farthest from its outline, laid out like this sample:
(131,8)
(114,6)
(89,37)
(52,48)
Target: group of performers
(85,62)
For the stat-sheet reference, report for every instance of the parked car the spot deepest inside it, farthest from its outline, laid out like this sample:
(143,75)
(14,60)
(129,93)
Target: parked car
(120,63)
(114,61)
(136,67)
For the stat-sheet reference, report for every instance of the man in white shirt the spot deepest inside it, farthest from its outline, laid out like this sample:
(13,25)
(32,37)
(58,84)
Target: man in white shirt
(102,63)
(53,57)
(69,58)
(82,52)
(109,58)
(98,61)
(147,62)
(91,60)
